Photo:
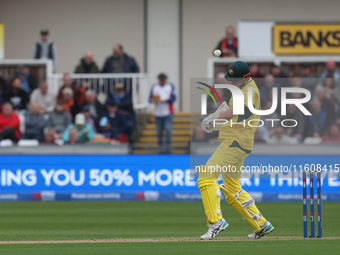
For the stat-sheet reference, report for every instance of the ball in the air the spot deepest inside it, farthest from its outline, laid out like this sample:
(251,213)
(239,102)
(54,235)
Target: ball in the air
(217,53)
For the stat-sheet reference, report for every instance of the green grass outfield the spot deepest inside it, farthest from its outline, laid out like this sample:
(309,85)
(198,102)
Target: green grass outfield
(169,227)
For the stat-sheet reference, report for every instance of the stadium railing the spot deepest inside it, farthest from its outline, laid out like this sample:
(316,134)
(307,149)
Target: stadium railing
(135,83)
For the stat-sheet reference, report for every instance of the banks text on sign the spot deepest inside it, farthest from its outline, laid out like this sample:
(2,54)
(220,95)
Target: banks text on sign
(306,39)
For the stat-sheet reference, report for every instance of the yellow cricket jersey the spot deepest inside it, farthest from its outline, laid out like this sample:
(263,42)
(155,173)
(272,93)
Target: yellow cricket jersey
(237,130)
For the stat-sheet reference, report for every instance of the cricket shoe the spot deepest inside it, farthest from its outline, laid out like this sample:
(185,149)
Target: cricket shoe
(266,228)
(215,229)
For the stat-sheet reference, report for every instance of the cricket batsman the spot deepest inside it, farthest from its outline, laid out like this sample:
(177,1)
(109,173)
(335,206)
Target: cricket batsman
(237,138)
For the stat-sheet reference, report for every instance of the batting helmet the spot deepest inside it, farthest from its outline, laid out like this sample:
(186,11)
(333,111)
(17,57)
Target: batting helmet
(237,71)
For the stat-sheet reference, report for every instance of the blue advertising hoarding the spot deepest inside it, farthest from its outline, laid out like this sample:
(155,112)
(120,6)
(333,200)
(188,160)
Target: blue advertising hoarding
(149,177)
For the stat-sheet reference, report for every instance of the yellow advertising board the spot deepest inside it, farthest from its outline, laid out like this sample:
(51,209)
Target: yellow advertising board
(306,38)
(2,41)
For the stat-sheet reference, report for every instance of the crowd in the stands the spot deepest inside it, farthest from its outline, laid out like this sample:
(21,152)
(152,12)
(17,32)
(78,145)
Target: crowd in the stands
(322,126)
(30,111)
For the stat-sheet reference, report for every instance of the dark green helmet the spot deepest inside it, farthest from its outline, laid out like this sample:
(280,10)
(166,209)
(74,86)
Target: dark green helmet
(237,71)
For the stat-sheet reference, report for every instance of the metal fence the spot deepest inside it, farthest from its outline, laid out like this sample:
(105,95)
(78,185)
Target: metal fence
(136,84)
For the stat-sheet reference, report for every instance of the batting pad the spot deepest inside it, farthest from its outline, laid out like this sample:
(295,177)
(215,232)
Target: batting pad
(245,205)
(218,200)
(209,198)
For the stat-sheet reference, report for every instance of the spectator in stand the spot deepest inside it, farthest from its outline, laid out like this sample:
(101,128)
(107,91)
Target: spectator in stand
(70,106)
(279,137)
(78,91)
(329,87)
(326,104)
(308,79)
(228,45)
(49,137)
(125,106)
(46,49)
(257,76)
(59,119)
(266,90)
(112,123)
(277,72)
(316,123)
(72,137)
(88,118)
(296,82)
(35,123)
(333,135)
(281,78)
(87,65)
(331,71)
(43,97)
(9,124)
(163,95)
(294,113)
(95,107)
(28,80)
(17,96)
(84,131)
(120,62)
(255,73)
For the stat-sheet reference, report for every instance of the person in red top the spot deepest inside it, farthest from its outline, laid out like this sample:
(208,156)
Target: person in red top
(78,91)
(9,124)
(228,45)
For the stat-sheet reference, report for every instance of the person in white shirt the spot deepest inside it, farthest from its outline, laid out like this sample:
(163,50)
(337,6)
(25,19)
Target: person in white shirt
(163,95)
(43,97)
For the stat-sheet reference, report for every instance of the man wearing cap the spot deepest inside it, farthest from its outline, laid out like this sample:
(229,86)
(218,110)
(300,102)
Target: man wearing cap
(163,95)
(112,122)
(237,139)
(84,131)
(45,48)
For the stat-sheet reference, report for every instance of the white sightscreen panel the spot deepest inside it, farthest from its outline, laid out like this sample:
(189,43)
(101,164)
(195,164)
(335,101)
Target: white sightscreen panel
(255,38)
(163,38)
